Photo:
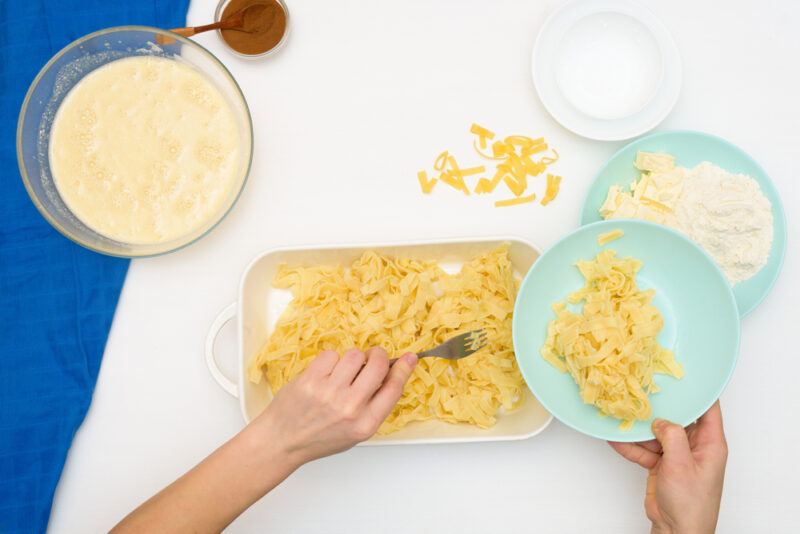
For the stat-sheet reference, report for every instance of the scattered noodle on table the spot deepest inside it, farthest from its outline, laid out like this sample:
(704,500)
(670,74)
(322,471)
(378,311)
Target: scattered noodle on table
(516,159)
(515,201)
(404,305)
(553,186)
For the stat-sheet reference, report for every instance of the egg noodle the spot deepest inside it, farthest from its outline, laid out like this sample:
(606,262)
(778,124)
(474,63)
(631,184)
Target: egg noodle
(405,305)
(610,348)
(516,158)
(608,237)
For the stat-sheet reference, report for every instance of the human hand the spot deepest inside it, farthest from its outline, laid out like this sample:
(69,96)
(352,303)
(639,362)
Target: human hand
(335,403)
(687,468)
(330,407)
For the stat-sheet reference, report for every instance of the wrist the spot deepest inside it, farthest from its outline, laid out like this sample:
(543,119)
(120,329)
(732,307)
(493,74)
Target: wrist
(267,447)
(661,528)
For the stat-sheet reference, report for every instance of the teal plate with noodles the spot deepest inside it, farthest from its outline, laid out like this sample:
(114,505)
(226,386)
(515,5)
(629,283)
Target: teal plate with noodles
(691,148)
(701,324)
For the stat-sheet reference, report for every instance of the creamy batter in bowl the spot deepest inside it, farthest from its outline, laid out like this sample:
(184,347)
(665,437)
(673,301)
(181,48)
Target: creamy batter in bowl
(132,149)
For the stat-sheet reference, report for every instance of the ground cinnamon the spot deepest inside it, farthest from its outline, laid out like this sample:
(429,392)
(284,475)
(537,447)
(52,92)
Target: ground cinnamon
(263,28)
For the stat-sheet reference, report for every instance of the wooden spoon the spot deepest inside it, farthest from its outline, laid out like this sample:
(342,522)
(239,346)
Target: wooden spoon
(244,20)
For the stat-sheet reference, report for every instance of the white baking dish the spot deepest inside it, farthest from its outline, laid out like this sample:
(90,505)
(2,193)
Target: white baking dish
(260,305)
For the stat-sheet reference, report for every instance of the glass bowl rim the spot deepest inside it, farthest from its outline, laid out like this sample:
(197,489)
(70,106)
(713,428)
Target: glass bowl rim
(35,83)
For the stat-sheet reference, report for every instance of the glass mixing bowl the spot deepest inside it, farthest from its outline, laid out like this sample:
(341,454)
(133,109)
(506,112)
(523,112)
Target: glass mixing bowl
(65,70)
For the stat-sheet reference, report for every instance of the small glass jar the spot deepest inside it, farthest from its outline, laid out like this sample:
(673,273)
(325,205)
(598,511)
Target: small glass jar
(218,16)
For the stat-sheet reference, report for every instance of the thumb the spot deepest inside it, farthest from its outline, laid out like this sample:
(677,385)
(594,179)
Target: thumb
(388,394)
(674,441)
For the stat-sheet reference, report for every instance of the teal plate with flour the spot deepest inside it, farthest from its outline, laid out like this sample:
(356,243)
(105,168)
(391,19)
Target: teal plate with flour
(701,324)
(689,149)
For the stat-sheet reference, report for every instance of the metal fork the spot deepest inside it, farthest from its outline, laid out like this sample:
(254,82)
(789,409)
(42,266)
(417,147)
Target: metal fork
(458,347)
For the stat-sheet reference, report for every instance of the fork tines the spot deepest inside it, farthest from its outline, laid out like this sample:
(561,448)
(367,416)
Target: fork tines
(475,340)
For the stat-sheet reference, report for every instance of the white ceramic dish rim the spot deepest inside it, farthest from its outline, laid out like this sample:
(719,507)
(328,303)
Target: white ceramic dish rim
(651,115)
(235,310)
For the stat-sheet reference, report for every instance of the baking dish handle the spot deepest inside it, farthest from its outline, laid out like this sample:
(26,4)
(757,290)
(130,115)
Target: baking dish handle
(222,319)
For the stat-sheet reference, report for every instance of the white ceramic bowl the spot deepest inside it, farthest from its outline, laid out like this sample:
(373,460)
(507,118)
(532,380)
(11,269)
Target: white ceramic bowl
(606,69)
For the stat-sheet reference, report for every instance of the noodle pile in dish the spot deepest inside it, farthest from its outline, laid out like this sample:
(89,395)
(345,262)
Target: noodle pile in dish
(405,305)
(610,347)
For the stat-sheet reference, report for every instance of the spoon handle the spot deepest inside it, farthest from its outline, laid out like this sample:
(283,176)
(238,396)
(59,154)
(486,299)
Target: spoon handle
(233,22)
(188,32)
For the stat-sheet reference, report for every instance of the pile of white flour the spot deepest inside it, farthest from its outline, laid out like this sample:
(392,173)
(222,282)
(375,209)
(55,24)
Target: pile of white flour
(729,216)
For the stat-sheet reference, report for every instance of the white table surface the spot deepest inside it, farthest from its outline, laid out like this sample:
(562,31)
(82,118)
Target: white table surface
(362,97)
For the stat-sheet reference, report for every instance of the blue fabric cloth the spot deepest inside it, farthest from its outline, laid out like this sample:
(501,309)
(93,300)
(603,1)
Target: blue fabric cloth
(57,299)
